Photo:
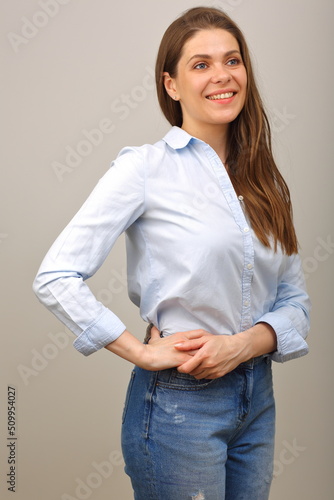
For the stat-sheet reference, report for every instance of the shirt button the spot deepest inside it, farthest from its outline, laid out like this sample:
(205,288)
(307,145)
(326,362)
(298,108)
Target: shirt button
(246,303)
(249,266)
(246,229)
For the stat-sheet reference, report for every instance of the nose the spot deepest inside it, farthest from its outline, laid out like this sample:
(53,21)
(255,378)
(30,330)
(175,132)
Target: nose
(220,74)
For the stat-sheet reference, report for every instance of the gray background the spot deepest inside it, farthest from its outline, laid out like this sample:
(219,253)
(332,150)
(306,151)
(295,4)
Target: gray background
(67,73)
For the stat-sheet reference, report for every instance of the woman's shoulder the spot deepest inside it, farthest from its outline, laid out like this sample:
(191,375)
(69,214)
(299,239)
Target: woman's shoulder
(143,151)
(174,140)
(145,158)
(157,155)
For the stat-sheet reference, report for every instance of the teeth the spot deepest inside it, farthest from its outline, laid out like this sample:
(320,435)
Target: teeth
(221,96)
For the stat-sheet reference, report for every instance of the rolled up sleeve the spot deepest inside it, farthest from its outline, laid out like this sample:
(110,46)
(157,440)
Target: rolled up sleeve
(79,251)
(289,316)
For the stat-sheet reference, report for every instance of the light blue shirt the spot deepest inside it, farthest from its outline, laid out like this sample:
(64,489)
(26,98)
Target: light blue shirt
(193,259)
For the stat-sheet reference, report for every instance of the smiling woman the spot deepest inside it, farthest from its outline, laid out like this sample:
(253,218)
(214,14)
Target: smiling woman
(210,84)
(244,145)
(220,284)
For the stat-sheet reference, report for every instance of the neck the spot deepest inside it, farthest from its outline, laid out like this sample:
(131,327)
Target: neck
(215,136)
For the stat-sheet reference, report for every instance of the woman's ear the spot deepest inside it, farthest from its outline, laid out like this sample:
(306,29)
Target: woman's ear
(170,85)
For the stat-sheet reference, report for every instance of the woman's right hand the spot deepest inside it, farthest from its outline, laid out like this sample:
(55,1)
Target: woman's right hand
(161,354)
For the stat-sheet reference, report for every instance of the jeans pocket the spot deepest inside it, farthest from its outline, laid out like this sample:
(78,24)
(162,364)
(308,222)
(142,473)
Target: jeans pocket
(173,379)
(128,394)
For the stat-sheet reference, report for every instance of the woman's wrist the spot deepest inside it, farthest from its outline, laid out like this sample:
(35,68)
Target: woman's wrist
(128,347)
(260,339)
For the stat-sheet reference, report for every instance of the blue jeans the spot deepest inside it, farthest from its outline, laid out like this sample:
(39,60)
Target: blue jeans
(188,439)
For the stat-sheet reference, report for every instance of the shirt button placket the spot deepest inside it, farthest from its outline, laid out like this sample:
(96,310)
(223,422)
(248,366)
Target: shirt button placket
(246,316)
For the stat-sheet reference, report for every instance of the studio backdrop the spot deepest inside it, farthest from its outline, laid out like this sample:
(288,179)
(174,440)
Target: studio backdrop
(78,85)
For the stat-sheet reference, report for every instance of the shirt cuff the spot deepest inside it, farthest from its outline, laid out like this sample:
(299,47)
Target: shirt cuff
(290,344)
(107,328)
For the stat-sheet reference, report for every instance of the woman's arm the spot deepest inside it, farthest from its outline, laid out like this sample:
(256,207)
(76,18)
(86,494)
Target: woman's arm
(159,354)
(289,316)
(219,354)
(281,332)
(116,202)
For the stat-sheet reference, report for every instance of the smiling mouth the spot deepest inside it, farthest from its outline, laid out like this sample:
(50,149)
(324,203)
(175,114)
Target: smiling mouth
(227,95)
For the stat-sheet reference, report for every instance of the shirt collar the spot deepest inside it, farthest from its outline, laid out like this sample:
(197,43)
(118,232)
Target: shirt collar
(177,138)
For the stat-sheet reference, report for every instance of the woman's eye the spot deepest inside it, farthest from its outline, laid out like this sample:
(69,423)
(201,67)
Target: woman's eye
(200,66)
(233,62)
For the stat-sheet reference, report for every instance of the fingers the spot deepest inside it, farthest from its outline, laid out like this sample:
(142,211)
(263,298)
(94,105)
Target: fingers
(191,339)
(189,345)
(203,374)
(179,337)
(190,365)
(195,334)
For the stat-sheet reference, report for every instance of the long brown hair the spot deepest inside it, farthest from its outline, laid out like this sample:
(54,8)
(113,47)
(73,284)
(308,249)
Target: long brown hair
(252,168)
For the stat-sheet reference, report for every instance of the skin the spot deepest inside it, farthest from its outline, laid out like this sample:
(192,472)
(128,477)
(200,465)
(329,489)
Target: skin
(210,64)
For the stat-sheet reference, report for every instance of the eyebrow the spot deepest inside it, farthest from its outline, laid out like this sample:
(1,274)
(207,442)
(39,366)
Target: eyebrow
(207,56)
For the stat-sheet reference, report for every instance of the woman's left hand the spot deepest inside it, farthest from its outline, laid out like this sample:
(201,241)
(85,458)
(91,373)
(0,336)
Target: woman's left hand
(216,355)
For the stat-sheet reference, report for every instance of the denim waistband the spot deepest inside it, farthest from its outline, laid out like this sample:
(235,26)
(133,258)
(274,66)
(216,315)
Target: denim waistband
(255,361)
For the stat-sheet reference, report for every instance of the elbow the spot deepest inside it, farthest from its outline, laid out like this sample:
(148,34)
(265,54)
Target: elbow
(38,287)
(42,290)
(50,284)
(305,323)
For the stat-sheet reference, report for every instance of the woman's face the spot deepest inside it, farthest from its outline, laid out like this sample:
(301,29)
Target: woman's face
(211,81)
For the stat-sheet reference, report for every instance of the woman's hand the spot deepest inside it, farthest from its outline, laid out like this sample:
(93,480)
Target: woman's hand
(216,355)
(161,353)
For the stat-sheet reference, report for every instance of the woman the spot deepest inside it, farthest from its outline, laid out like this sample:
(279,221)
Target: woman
(212,264)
